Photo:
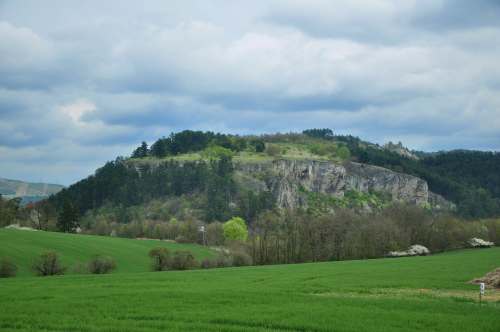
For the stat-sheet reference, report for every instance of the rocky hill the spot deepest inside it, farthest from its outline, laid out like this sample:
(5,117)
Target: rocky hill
(234,175)
(28,191)
(289,179)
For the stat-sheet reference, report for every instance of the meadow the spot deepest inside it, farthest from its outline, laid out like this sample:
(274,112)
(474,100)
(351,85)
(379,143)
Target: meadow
(406,294)
(131,255)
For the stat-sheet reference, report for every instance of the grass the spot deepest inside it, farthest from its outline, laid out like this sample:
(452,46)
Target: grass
(290,151)
(405,294)
(22,247)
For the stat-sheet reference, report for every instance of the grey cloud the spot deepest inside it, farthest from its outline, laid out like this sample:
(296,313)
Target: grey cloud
(88,81)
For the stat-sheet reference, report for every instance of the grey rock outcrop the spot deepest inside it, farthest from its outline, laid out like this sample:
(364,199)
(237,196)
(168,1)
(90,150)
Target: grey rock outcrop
(286,178)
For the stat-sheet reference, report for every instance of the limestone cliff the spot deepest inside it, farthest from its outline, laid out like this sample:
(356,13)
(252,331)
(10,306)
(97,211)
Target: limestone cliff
(286,178)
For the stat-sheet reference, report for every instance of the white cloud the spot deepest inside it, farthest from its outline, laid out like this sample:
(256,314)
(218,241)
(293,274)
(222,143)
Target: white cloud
(77,109)
(104,76)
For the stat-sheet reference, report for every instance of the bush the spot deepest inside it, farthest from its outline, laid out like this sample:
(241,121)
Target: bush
(241,259)
(48,264)
(208,263)
(273,150)
(223,260)
(183,260)
(7,268)
(101,264)
(161,259)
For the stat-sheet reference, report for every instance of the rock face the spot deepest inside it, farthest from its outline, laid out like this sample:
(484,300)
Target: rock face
(286,178)
(414,250)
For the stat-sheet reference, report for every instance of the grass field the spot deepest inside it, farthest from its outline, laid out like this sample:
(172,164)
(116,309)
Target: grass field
(405,294)
(22,247)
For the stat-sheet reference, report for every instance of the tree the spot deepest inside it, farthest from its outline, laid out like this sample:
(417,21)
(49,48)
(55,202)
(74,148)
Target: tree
(141,152)
(319,133)
(235,229)
(67,220)
(259,146)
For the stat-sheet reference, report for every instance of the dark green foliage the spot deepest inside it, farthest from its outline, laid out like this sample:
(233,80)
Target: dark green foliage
(319,133)
(119,184)
(192,141)
(251,203)
(9,210)
(468,178)
(101,264)
(220,187)
(183,260)
(161,259)
(141,152)
(258,145)
(67,221)
(48,264)
(7,268)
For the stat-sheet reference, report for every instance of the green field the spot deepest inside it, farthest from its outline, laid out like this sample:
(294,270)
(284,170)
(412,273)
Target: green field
(406,294)
(22,247)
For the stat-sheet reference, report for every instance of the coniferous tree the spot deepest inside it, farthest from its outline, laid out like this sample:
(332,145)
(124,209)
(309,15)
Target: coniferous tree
(142,151)
(67,220)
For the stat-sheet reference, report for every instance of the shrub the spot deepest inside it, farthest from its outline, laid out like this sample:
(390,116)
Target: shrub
(161,259)
(7,268)
(183,260)
(101,264)
(223,260)
(208,263)
(48,264)
(343,153)
(259,146)
(273,150)
(240,258)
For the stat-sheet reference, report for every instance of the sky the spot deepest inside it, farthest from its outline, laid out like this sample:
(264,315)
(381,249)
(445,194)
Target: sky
(82,82)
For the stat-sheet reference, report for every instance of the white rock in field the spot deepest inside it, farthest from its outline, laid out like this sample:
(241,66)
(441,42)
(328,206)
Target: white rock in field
(19,227)
(418,250)
(414,250)
(476,242)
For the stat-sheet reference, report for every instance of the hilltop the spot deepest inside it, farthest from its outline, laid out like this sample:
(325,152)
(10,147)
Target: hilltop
(27,191)
(464,181)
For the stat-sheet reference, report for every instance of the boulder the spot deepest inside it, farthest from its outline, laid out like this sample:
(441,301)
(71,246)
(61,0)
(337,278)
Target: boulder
(414,250)
(479,243)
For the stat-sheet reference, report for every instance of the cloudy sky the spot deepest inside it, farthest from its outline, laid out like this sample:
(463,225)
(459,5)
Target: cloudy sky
(82,82)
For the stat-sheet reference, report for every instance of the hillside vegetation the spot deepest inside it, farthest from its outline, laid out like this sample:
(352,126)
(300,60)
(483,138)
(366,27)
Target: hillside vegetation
(22,247)
(409,294)
(470,179)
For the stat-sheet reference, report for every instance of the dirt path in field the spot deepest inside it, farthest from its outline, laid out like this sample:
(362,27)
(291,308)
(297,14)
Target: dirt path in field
(491,295)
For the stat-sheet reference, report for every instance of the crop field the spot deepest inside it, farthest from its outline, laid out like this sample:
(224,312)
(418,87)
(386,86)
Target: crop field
(131,255)
(406,294)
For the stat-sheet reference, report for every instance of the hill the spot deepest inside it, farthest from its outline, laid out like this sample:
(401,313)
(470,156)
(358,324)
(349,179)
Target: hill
(316,161)
(408,294)
(131,255)
(27,191)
